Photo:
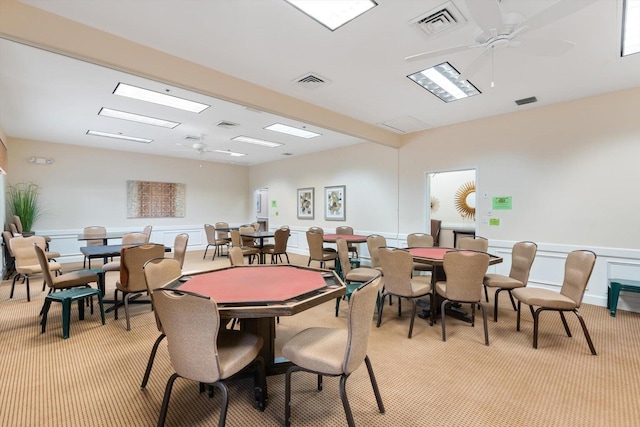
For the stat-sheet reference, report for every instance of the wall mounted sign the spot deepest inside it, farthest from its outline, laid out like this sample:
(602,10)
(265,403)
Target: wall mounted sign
(502,203)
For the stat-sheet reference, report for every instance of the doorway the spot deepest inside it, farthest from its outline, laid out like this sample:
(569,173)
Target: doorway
(261,207)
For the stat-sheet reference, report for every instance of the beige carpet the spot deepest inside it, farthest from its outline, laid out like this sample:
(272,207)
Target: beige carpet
(93,378)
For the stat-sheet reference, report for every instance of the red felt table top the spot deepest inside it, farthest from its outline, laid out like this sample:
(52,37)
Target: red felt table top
(430,253)
(352,238)
(255,284)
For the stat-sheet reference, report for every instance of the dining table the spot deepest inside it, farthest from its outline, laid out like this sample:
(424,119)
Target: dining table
(260,236)
(104,236)
(257,294)
(349,238)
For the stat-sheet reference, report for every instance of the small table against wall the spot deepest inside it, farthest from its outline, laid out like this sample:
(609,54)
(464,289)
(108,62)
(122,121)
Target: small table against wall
(614,289)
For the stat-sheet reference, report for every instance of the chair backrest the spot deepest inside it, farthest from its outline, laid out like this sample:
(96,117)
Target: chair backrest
(180,247)
(222,234)
(316,230)
(281,237)
(23,251)
(522,257)
(419,240)
(157,273)
(236,240)
(236,257)
(247,241)
(132,258)
(397,267)
(18,223)
(314,241)
(577,271)
(14,230)
(191,323)
(465,272)
(147,231)
(374,243)
(256,226)
(345,229)
(95,231)
(343,255)
(474,244)
(6,238)
(134,238)
(210,232)
(361,307)
(435,231)
(44,265)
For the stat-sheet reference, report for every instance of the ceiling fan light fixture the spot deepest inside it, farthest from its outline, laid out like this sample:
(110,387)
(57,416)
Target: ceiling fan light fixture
(123,115)
(331,13)
(290,130)
(442,81)
(147,95)
(630,27)
(256,141)
(119,136)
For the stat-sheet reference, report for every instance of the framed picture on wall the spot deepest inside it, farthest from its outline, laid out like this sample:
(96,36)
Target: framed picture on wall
(305,203)
(334,203)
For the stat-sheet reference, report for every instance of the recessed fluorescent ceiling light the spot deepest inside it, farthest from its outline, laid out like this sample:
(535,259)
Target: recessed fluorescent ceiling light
(256,141)
(231,153)
(134,92)
(631,27)
(116,114)
(290,130)
(331,13)
(118,136)
(442,81)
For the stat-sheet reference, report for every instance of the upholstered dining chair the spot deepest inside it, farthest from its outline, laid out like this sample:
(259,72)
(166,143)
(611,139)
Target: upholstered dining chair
(9,259)
(127,239)
(248,251)
(199,350)
(316,252)
(27,263)
(69,280)
(132,281)
(279,248)
(336,352)
(435,231)
(577,271)
(477,243)
(352,277)
(147,232)
(157,273)
(222,232)
(95,230)
(236,257)
(17,229)
(345,229)
(247,242)
(213,240)
(420,240)
(397,265)
(320,230)
(180,247)
(522,256)
(374,243)
(464,272)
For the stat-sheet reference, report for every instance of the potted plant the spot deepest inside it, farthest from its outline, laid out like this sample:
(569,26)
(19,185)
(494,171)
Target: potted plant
(23,202)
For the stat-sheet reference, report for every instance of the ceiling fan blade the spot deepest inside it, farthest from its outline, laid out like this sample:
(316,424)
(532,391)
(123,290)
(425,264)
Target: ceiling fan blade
(440,52)
(473,68)
(486,14)
(544,47)
(555,12)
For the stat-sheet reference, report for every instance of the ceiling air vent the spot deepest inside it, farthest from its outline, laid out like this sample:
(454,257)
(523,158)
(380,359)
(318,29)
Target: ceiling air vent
(193,138)
(227,125)
(524,101)
(440,20)
(311,81)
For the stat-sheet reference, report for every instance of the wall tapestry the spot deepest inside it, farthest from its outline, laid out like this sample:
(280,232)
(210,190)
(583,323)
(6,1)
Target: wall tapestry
(147,199)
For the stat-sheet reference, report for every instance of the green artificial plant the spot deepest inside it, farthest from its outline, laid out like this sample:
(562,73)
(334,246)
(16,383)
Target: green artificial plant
(23,202)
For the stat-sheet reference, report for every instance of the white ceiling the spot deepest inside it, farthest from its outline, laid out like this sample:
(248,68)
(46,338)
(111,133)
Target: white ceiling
(272,44)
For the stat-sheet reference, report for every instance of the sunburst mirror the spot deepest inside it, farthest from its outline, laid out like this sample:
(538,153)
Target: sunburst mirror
(465,200)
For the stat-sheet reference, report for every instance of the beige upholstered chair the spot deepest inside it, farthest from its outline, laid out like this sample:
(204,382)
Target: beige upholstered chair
(9,259)
(27,263)
(157,273)
(147,232)
(435,231)
(279,248)
(247,242)
(17,229)
(477,243)
(320,230)
(397,265)
(248,251)
(63,281)
(201,351)
(353,277)
(236,257)
(316,252)
(132,281)
(374,243)
(256,226)
(420,240)
(336,352)
(215,241)
(345,229)
(522,257)
(99,232)
(464,272)
(577,271)
(222,232)
(127,239)
(180,247)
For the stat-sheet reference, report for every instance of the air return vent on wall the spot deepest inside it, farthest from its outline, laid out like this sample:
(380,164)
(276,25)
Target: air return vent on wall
(524,101)
(439,20)
(311,81)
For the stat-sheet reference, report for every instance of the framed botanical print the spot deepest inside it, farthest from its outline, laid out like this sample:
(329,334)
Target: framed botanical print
(305,203)
(334,203)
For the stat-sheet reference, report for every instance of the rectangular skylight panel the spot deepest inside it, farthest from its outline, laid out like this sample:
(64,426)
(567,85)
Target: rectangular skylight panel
(231,153)
(256,141)
(333,13)
(134,92)
(118,136)
(631,27)
(290,130)
(442,81)
(116,114)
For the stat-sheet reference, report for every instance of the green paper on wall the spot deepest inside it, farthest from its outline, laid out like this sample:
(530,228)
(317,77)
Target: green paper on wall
(502,203)
(494,221)
(274,204)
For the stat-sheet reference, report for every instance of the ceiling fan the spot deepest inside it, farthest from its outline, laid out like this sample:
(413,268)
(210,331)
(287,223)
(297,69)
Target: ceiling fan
(199,146)
(498,31)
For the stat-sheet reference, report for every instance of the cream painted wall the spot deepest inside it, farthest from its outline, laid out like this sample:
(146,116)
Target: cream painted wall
(88,186)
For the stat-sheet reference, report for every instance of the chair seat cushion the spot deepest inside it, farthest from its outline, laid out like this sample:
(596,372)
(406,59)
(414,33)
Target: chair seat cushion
(236,350)
(502,281)
(544,298)
(362,274)
(318,349)
(74,278)
(111,266)
(420,286)
(51,255)
(36,269)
